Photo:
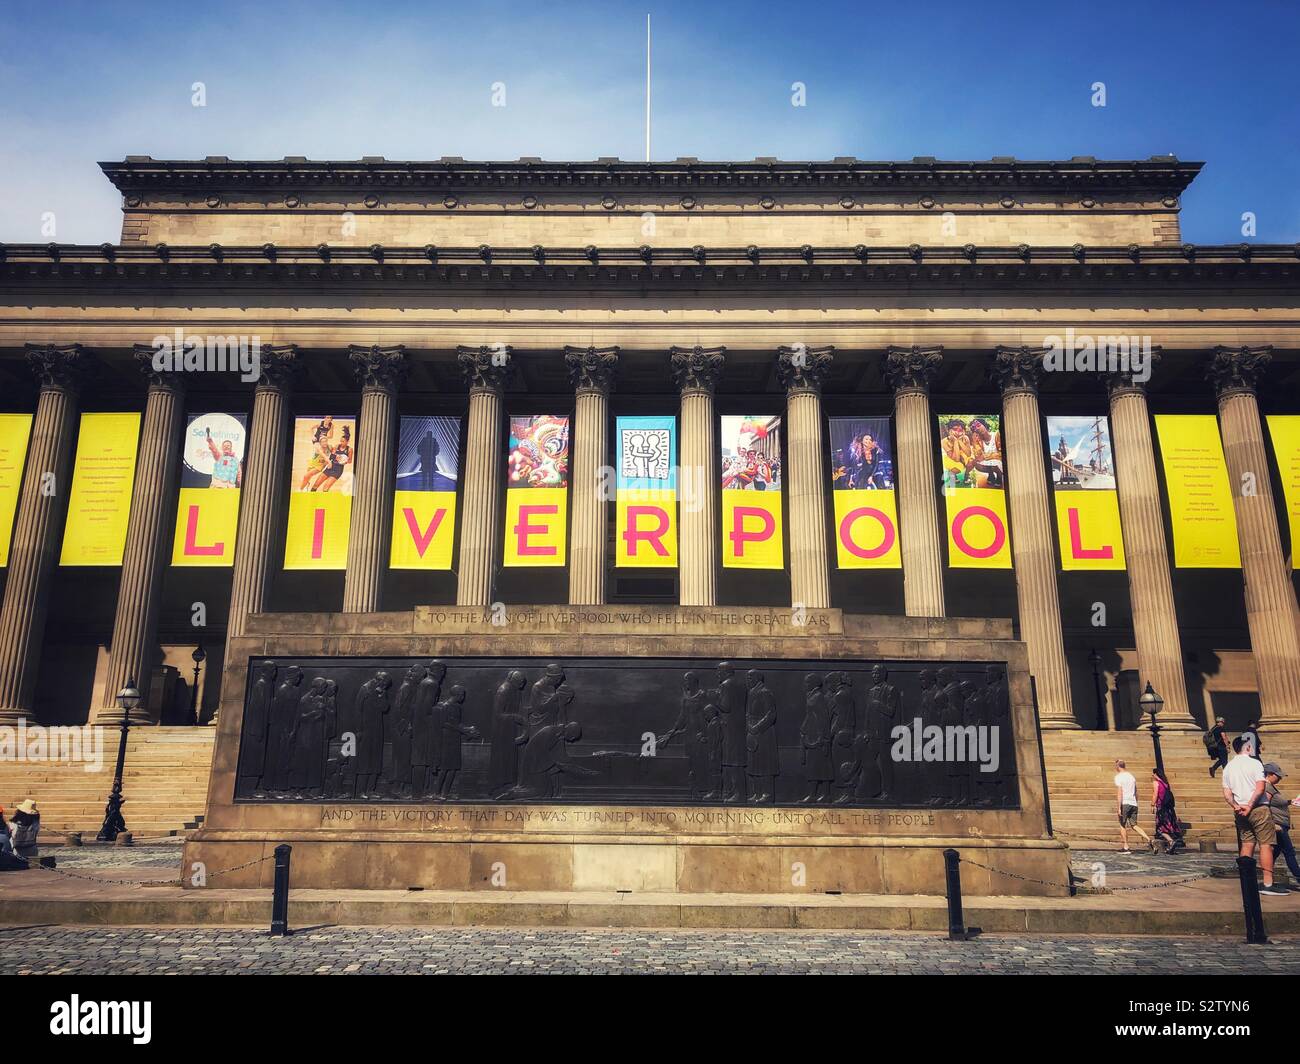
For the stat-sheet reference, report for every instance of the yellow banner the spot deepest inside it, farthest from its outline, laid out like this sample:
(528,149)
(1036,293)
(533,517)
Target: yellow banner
(866,530)
(99,503)
(317,532)
(424,528)
(646,526)
(206,522)
(752,536)
(977,528)
(536,527)
(1200,498)
(1285,431)
(15,429)
(1088,530)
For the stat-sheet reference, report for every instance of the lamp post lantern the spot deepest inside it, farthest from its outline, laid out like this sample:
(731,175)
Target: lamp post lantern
(1151,703)
(114,824)
(199,656)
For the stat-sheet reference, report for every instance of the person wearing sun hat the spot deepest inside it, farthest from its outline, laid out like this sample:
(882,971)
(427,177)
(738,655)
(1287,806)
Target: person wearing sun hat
(26,826)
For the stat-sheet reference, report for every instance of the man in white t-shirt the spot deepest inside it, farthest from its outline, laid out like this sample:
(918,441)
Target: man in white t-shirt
(1243,790)
(1126,805)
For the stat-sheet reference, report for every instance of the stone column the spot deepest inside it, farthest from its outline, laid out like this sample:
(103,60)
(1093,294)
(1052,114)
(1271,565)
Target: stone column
(1033,546)
(380,371)
(135,625)
(801,370)
(261,497)
(1151,591)
(592,371)
(696,372)
(42,504)
(1270,598)
(910,371)
(486,369)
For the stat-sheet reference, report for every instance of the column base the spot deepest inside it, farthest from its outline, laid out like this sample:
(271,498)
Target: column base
(13,715)
(1171,725)
(1266,727)
(1059,724)
(112,718)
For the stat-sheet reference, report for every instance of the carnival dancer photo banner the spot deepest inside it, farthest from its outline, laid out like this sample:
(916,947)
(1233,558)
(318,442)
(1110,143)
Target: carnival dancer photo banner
(212,474)
(1200,497)
(99,503)
(752,532)
(862,475)
(320,499)
(1285,432)
(15,430)
(424,502)
(974,489)
(1083,482)
(537,492)
(646,501)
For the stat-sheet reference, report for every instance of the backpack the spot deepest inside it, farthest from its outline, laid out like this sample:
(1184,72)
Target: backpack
(1211,743)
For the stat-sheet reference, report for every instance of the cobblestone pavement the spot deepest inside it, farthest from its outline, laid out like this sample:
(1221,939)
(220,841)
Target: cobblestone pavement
(343,950)
(156,855)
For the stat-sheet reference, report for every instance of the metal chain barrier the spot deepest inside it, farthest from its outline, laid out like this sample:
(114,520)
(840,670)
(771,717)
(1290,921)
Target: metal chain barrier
(175,881)
(1045,883)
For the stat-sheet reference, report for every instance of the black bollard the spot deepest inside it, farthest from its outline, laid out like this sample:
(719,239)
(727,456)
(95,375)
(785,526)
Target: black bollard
(280,892)
(1255,933)
(952,875)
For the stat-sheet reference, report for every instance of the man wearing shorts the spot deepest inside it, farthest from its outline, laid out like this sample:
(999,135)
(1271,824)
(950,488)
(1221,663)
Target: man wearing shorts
(1126,805)
(1243,789)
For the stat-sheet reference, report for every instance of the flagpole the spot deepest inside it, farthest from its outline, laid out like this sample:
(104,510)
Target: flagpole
(647,87)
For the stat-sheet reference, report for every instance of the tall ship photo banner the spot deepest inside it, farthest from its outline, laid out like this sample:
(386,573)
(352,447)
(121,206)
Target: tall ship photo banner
(1083,490)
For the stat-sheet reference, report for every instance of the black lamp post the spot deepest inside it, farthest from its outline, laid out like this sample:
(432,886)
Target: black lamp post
(1098,688)
(199,656)
(128,699)
(1151,703)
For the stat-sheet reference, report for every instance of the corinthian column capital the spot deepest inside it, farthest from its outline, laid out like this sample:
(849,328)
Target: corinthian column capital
(279,367)
(487,367)
(377,367)
(1123,382)
(64,367)
(1017,369)
(912,369)
(697,369)
(801,368)
(1236,370)
(145,356)
(592,369)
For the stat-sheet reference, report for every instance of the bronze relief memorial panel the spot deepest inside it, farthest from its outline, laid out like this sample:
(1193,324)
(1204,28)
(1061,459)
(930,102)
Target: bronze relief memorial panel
(666,731)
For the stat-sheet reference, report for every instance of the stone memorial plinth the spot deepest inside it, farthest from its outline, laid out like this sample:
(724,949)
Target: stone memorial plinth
(574,748)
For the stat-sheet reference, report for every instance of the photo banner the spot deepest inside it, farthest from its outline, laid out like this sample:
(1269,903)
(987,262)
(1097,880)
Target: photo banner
(970,447)
(646,501)
(212,473)
(1200,497)
(1083,481)
(320,499)
(99,502)
(424,501)
(537,492)
(15,430)
(1284,429)
(862,476)
(752,532)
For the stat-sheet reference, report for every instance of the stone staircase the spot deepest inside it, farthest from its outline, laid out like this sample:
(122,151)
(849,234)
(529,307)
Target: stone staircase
(1080,768)
(165,784)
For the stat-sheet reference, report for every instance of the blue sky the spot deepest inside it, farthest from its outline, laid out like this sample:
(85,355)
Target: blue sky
(1210,81)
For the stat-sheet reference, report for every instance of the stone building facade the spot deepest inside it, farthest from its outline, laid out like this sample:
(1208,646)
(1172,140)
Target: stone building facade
(806,290)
